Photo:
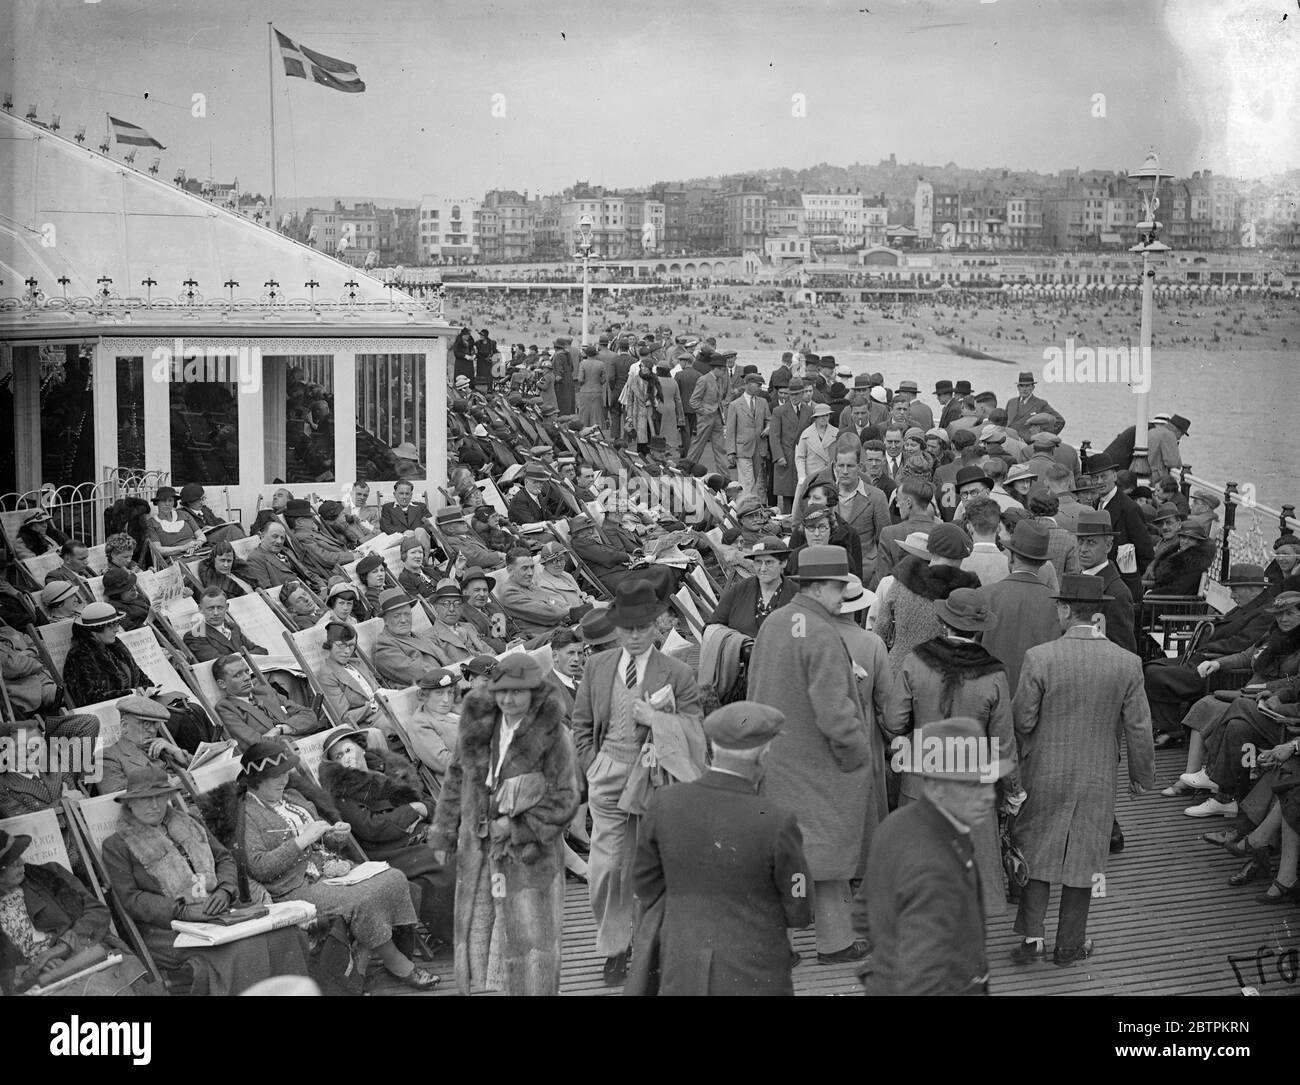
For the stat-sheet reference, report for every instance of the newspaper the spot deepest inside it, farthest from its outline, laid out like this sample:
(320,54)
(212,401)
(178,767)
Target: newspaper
(287,913)
(359,873)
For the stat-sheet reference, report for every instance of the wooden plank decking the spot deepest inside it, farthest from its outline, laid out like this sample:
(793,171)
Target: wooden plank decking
(1167,924)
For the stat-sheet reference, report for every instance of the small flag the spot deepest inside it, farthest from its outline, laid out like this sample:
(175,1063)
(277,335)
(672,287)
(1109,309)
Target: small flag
(307,64)
(125,132)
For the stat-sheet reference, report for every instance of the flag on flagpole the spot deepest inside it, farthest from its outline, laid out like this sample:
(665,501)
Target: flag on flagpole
(308,64)
(125,132)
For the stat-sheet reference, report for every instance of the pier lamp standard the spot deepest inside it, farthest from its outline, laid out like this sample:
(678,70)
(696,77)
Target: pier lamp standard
(585,246)
(1147,181)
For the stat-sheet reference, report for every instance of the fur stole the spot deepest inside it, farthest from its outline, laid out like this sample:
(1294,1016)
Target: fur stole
(386,778)
(956,662)
(1176,569)
(932,581)
(1277,646)
(536,734)
(175,854)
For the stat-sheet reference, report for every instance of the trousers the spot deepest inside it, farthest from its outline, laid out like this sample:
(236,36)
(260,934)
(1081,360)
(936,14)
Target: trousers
(1071,922)
(833,915)
(708,446)
(609,863)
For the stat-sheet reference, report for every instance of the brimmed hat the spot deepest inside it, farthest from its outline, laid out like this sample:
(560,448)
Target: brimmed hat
(1019,472)
(1194,529)
(1167,511)
(479,665)
(1205,496)
(298,507)
(942,387)
(142,708)
(265,760)
(597,628)
(340,585)
(908,386)
(915,433)
(768,545)
(914,544)
(971,474)
(1092,522)
(447,589)
(190,493)
(56,591)
(474,572)
(821,410)
(1081,588)
(118,581)
(966,609)
(879,394)
(448,514)
(862,381)
(394,599)
(992,435)
(753,378)
(407,451)
(1083,484)
(368,565)
(165,493)
(551,551)
(1030,540)
(750,504)
(635,604)
(536,472)
(579,523)
(1246,575)
(40,516)
(962,388)
(145,783)
(743,725)
(330,509)
(1180,423)
(957,738)
(517,671)
(796,385)
(98,616)
(856,597)
(1099,462)
(823,563)
(439,678)
(1285,601)
(948,541)
(11,847)
(1025,378)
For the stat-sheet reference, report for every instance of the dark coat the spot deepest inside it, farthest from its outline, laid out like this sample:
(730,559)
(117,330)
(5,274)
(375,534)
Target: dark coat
(524,508)
(908,617)
(1130,526)
(95,672)
(527,861)
(375,802)
(731,869)
(922,893)
(738,601)
(1178,572)
(1026,618)
(395,520)
(1119,611)
(213,644)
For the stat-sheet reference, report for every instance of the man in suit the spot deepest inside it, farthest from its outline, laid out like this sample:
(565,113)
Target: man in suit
(1025,405)
(725,867)
(592,379)
(687,378)
(270,565)
(402,514)
(949,403)
(922,890)
(400,655)
(617,380)
(534,612)
(623,692)
(252,713)
(1094,536)
(74,569)
(219,634)
(525,506)
(789,418)
(457,638)
(144,743)
(1023,604)
(319,553)
(746,426)
(709,401)
(484,613)
(1076,695)
(1127,523)
(915,498)
(918,413)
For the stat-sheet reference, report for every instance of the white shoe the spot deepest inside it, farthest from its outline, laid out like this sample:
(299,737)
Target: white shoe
(1210,807)
(1198,780)
(1178,787)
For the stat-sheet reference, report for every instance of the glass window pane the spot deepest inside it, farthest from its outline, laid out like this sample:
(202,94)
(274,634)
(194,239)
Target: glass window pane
(390,417)
(298,417)
(130,413)
(8,426)
(67,414)
(205,424)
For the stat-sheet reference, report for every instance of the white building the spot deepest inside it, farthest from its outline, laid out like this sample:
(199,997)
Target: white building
(450,229)
(835,218)
(923,211)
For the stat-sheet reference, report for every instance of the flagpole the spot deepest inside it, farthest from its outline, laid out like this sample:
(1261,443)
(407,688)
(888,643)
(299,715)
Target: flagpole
(270,79)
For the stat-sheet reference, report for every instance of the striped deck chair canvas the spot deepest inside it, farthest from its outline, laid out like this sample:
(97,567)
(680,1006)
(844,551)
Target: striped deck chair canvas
(150,658)
(57,638)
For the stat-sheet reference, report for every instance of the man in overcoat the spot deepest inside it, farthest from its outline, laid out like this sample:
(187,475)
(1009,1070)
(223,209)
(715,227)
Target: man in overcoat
(746,427)
(726,868)
(819,763)
(1076,694)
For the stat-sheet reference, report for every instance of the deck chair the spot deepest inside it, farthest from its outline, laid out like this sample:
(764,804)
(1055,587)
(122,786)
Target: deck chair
(39,567)
(53,641)
(397,705)
(92,822)
(151,658)
(1152,641)
(97,559)
(10,524)
(244,547)
(96,585)
(367,633)
(263,626)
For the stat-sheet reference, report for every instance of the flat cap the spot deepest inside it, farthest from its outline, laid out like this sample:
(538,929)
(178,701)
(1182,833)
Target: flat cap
(743,725)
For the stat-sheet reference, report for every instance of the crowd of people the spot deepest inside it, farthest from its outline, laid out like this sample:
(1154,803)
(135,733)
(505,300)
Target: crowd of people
(677,632)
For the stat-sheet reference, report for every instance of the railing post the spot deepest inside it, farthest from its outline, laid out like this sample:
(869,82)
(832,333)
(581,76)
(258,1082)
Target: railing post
(1184,487)
(1229,522)
(1288,513)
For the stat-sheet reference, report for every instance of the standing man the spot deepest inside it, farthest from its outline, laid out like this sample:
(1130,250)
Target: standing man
(788,421)
(726,868)
(591,389)
(917,412)
(1162,447)
(860,505)
(623,692)
(949,404)
(709,401)
(922,887)
(1025,606)
(1025,405)
(820,764)
(1094,537)
(746,428)
(617,379)
(1131,547)
(1075,695)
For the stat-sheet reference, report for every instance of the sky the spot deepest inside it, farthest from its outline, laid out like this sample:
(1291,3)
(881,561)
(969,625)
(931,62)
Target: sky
(625,94)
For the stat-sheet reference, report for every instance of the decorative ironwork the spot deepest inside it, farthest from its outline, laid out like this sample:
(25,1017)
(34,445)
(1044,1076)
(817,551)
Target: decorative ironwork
(106,301)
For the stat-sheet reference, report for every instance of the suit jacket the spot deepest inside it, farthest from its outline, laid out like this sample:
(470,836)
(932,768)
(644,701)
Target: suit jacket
(950,413)
(920,414)
(341,691)
(524,508)
(214,644)
(1026,618)
(1127,522)
(267,570)
(1018,412)
(746,426)
(459,642)
(726,863)
(320,553)
(922,897)
(534,612)
(1119,611)
(123,757)
(596,690)
(248,721)
(401,660)
(737,603)
(395,520)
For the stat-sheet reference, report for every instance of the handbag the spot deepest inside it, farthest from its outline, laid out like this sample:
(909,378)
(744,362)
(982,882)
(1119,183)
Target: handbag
(1013,859)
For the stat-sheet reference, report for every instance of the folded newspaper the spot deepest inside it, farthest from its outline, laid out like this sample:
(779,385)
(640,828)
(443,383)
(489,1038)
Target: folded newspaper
(287,913)
(359,873)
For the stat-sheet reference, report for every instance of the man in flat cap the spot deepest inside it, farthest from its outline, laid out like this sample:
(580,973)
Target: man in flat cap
(721,871)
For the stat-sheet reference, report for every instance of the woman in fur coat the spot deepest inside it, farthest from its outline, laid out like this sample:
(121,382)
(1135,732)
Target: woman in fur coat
(1178,570)
(922,578)
(379,795)
(511,791)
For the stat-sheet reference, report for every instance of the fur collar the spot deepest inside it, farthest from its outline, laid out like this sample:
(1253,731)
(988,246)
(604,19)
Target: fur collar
(968,660)
(534,738)
(387,777)
(932,581)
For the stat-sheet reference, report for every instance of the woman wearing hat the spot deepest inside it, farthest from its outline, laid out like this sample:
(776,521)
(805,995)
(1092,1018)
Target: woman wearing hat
(372,574)
(166,865)
(949,675)
(345,680)
(929,572)
(39,534)
(122,591)
(99,667)
(292,853)
(432,727)
(168,530)
(340,602)
(58,601)
(50,922)
(744,604)
(378,793)
(416,578)
(1177,570)
(221,569)
(515,772)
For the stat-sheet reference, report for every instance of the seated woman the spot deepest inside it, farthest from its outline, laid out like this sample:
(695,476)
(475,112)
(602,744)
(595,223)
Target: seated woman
(340,602)
(51,923)
(119,551)
(59,600)
(297,601)
(1178,570)
(379,795)
(39,535)
(416,578)
(172,533)
(221,569)
(121,589)
(166,865)
(373,576)
(346,682)
(432,726)
(1221,727)
(292,853)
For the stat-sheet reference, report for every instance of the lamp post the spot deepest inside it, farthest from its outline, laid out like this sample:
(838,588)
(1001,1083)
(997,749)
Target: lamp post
(1147,181)
(584,254)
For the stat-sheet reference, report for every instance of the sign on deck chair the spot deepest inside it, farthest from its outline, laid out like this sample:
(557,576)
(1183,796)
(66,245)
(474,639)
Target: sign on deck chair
(100,816)
(311,750)
(110,722)
(244,547)
(47,844)
(260,625)
(368,632)
(150,658)
(57,638)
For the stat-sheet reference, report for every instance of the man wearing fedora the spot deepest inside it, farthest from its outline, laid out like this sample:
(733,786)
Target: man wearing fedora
(1178,569)
(401,655)
(949,403)
(1023,603)
(458,539)
(1025,404)
(525,507)
(922,889)
(623,693)
(1076,695)
(1162,447)
(709,403)
(484,613)
(719,871)
(820,766)
(1131,547)
(1094,536)
(747,420)
(456,637)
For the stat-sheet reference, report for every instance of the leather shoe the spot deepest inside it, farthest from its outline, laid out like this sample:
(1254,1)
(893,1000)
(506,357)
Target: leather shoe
(1210,807)
(1064,958)
(1116,843)
(420,979)
(1277,893)
(1029,952)
(855,951)
(1255,870)
(616,969)
(1167,739)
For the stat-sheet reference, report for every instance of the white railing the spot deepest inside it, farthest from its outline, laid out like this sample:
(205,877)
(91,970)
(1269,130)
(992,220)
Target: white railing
(1249,527)
(78,511)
